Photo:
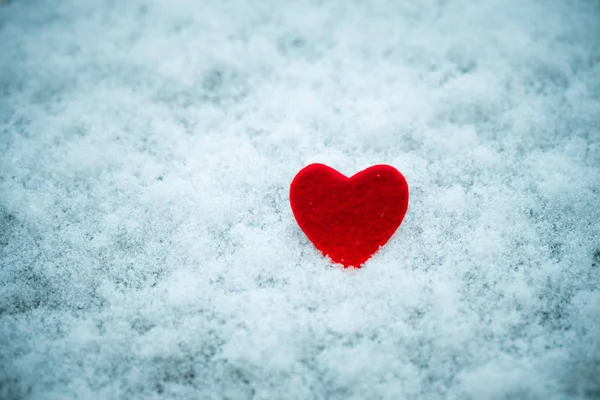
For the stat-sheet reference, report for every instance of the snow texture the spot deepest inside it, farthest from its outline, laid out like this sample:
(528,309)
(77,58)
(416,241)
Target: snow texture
(147,246)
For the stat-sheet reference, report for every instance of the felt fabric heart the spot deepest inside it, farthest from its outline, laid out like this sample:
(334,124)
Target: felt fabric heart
(349,219)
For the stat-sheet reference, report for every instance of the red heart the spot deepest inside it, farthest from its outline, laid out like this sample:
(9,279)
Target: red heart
(349,219)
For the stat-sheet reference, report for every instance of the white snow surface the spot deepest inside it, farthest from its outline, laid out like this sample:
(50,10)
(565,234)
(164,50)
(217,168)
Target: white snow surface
(148,250)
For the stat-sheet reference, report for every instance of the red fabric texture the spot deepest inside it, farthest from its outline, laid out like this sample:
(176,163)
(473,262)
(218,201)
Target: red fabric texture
(349,219)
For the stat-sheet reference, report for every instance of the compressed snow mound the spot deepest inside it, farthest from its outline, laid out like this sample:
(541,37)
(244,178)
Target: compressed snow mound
(148,250)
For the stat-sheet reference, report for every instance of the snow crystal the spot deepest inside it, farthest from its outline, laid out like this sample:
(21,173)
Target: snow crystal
(148,250)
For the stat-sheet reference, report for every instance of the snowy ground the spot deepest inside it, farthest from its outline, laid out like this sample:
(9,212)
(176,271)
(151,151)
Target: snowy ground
(148,250)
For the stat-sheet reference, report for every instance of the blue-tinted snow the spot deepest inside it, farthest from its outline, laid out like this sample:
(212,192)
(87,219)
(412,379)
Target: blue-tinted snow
(147,248)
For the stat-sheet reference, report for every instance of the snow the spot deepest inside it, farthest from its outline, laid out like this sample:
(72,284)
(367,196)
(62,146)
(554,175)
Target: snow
(148,250)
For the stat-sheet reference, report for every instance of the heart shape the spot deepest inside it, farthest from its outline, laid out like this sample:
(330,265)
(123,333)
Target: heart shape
(349,219)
